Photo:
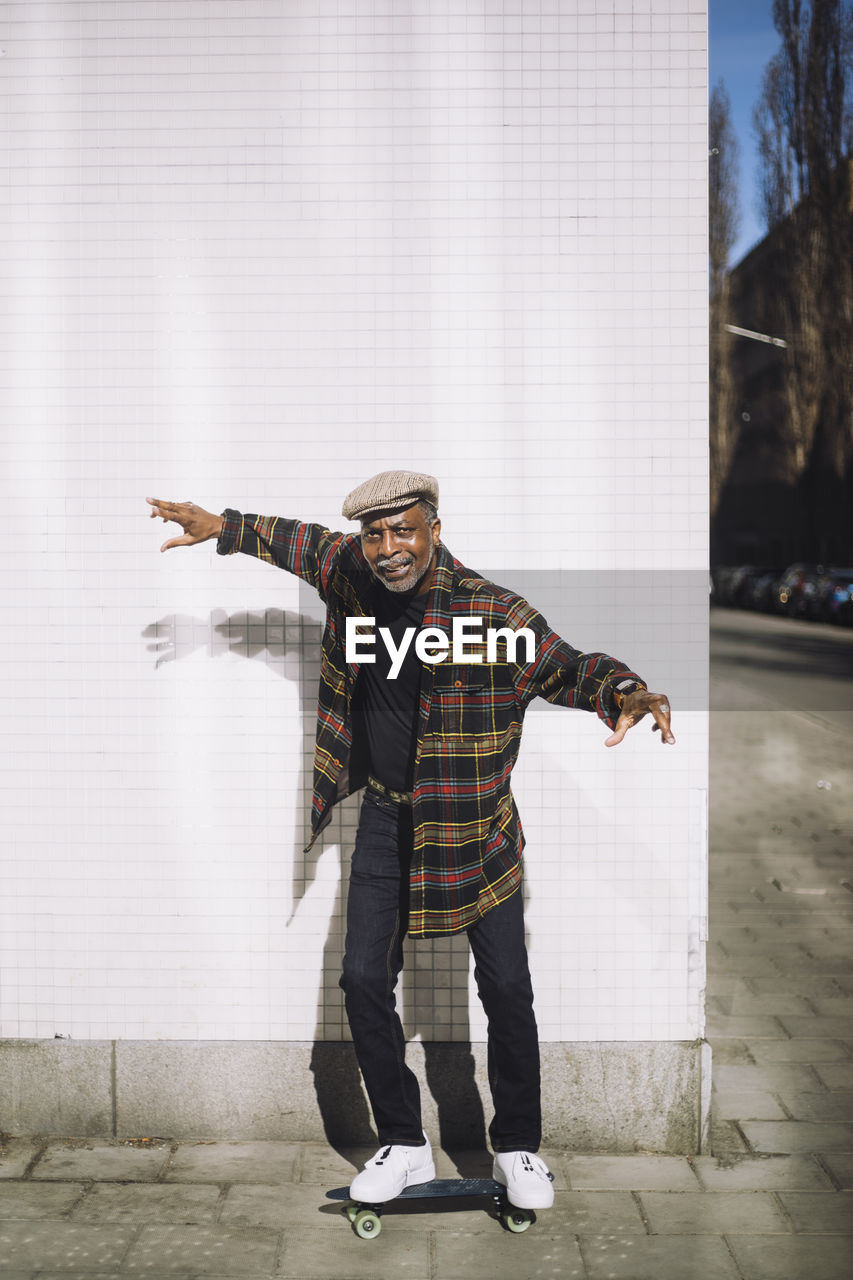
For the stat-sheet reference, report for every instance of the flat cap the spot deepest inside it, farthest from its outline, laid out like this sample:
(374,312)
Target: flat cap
(390,491)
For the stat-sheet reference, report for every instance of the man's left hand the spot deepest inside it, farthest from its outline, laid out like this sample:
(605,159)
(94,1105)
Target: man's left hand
(636,705)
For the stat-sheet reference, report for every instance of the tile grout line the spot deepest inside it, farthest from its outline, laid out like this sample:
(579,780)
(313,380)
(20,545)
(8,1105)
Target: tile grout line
(114,1087)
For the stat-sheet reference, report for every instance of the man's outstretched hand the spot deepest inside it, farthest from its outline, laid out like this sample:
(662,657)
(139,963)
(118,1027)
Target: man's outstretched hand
(636,705)
(198,525)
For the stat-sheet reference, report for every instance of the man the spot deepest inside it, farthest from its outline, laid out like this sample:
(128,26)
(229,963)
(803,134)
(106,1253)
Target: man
(427,669)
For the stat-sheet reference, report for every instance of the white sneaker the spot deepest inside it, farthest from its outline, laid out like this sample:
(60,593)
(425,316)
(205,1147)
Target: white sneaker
(390,1171)
(528,1182)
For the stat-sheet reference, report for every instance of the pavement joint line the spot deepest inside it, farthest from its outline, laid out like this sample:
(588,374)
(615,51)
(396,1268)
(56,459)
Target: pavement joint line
(580,1247)
(85,1193)
(827,1169)
(131,1244)
(788,1113)
(28,1172)
(635,1196)
(278,1256)
(740,1133)
(731,1252)
(221,1198)
(167,1163)
(432,1254)
(786,1217)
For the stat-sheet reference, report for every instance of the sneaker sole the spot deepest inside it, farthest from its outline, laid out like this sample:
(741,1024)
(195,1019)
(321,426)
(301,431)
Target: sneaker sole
(417,1176)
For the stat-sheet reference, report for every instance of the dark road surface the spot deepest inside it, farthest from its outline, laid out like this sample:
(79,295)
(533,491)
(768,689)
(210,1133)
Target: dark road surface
(760,662)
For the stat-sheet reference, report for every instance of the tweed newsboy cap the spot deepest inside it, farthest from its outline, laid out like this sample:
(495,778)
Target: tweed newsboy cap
(390,491)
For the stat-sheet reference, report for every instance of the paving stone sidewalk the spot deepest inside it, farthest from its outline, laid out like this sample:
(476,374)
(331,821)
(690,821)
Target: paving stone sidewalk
(772,1201)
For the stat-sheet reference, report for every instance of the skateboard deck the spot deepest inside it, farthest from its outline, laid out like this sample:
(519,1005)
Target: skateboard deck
(365,1216)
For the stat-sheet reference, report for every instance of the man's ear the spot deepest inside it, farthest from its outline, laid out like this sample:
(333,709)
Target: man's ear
(436,533)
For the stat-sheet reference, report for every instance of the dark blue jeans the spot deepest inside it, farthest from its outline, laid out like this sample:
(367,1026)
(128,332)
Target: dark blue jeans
(377,920)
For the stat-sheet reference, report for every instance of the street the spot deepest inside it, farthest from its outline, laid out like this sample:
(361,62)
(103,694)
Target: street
(761,662)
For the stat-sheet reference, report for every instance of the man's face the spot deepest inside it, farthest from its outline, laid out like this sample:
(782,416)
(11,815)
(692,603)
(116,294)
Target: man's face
(400,548)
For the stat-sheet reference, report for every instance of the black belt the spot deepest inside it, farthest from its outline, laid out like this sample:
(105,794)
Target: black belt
(388,793)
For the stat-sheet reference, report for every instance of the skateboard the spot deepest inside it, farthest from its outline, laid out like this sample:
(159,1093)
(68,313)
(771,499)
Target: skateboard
(366,1217)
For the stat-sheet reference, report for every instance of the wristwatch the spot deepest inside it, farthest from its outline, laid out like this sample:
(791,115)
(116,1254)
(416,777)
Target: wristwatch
(621,690)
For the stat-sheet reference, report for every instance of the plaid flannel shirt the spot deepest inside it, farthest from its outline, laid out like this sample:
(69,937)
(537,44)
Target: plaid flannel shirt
(468,838)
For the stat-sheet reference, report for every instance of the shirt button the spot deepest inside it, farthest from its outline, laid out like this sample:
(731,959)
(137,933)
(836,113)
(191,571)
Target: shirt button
(458,684)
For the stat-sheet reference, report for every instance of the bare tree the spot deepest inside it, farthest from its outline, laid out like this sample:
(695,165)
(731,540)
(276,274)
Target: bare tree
(723,221)
(804,127)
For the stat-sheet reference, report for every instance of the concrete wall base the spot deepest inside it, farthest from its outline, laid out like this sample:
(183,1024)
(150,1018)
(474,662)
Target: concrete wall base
(613,1096)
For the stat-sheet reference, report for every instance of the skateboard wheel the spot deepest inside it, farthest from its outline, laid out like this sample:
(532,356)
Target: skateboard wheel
(517,1220)
(366,1224)
(351,1210)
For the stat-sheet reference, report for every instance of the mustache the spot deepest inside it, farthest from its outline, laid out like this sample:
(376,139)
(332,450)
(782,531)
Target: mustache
(395,562)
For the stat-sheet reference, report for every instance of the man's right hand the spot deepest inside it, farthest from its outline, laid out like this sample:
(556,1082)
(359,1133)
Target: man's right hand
(198,525)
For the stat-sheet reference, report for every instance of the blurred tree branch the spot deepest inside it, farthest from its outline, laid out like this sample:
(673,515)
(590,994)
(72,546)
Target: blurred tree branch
(804,128)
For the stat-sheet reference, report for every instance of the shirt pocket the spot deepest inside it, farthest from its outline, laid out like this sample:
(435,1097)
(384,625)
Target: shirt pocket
(463,704)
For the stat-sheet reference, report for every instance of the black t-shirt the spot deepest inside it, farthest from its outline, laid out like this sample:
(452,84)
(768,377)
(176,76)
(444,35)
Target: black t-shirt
(386,711)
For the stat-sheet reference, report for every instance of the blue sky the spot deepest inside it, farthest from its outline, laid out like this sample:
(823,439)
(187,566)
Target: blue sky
(742,40)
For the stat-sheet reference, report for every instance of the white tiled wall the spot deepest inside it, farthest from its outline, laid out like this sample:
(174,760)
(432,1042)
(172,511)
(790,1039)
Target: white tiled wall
(257,250)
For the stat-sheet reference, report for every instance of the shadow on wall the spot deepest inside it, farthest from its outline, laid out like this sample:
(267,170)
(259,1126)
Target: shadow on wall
(434,995)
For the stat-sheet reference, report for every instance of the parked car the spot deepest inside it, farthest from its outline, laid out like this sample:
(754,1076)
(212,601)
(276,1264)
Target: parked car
(807,602)
(791,594)
(744,587)
(732,584)
(835,602)
(762,591)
